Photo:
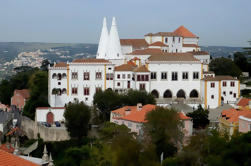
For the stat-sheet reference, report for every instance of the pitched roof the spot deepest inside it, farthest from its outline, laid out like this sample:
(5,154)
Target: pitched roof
(8,159)
(232,114)
(163,34)
(190,45)
(23,92)
(199,52)
(130,62)
(135,43)
(243,102)
(173,57)
(184,32)
(90,60)
(142,68)
(125,67)
(139,116)
(148,51)
(219,78)
(158,43)
(60,64)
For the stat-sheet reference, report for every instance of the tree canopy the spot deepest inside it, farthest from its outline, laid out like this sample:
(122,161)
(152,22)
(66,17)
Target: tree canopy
(199,117)
(77,117)
(224,66)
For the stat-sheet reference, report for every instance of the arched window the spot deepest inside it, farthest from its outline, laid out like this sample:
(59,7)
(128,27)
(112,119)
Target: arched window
(63,75)
(181,94)
(194,94)
(59,76)
(54,76)
(155,93)
(168,94)
(64,91)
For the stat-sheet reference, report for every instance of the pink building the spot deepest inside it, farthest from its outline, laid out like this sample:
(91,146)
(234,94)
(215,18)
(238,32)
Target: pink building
(20,97)
(134,117)
(245,122)
(4,107)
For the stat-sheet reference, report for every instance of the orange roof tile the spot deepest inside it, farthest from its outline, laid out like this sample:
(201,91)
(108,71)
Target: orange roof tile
(243,102)
(219,78)
(163,34)
(173,57)
(142,68)
(8,159)
(190,45)
(60,64)
(135,43)
(125,67)
(131,63)
(232,115)
(23,92)
(158,43)
(148,51)
(7,148)
(90,60)
(184,32)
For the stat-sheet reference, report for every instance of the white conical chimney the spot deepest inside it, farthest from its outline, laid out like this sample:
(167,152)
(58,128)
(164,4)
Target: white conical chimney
(103,41)
(114,47)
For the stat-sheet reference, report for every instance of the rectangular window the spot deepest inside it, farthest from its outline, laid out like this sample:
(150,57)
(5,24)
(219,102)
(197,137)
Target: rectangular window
(232,84)
(224,83)
(212,96)
(128,76)
(166,40)
(174,76)
(138,78)
(179,39)
(164,75)
(86,76)
(153,75)
(147,77)
(185,75)
(74,91)
(86,91)
(118,83)
(109,76)
(230,92)
(123,76)
(118,76)
(212,85)
(234,95)
(174,39)
(98,89)
(142,87)
(74,75)
(195,75)
(98,75)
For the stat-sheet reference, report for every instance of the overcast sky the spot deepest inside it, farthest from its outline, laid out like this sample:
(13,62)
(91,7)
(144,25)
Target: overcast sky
(216,22)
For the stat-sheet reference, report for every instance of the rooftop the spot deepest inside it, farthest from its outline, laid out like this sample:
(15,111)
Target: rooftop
(163,34)
(148,51)
(243,102)
(142,69)
(125,67)
(173,57)
(23,92)
(158,43)
(60,64)
(219,78)
(232,114)
(184,32)
(135,43)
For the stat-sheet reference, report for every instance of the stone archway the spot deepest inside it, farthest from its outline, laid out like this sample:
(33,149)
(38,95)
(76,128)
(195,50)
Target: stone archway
(194,94)
(50,118)
(155,93)
(167,94)
(181,94)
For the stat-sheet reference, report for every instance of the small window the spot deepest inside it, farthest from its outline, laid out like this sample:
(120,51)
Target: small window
(142,87)
(224,93)
(164,75)
(166,40)
(173,39)
(224,83)
(109,76)
(74,75)
(74,91)
(59,83)
(232,84)
(179,39)
(98,75)
(86,76)
(230,92)
(109,68)
(153,75)
(98,89)
(128,76)
(118,76)
(86,91)
(195,75)
(212,96)
(123,76)
(174,76)
(185,75)
(118,83)
(234,95)
(212,85)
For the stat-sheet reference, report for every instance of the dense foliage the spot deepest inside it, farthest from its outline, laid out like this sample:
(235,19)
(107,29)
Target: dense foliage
(199,117)
(77,116)
(224,66)
(109,100)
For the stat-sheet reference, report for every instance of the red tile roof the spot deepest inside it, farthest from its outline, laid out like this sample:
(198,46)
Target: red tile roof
(243,102)
(125,67)
(219,78)
(131,63)
(8,159)
(184,32)
(139,116)
(173,57)
(232,114)
(60,64)
(142,68)
(90,60)
(24,92)
(7,148)
(135,43)
(158,43)
(190,45)
(163,34)
(148,51)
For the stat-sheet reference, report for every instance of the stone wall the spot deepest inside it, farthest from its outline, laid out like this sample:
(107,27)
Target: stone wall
(31,130)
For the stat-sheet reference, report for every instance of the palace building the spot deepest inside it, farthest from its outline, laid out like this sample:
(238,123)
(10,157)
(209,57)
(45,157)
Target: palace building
(170,65)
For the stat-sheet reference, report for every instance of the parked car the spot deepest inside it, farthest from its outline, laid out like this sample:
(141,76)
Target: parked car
(57,124)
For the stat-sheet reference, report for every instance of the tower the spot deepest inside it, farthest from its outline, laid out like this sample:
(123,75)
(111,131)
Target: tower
(114,48)
(102,47)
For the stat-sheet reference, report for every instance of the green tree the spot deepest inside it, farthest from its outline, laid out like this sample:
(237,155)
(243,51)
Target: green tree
(199,117)
(133,97)
(38,86)
(241,61)
(224,66)
(77,117)
(163,126)
(45,64)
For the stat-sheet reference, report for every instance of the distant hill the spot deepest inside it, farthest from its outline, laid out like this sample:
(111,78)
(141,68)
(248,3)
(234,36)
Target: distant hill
(221,51)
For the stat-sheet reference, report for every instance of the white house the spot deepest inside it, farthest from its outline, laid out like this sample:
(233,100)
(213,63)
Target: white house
(50,114)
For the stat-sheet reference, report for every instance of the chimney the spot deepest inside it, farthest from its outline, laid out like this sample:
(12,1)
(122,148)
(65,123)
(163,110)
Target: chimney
(139,106)
(127,111)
